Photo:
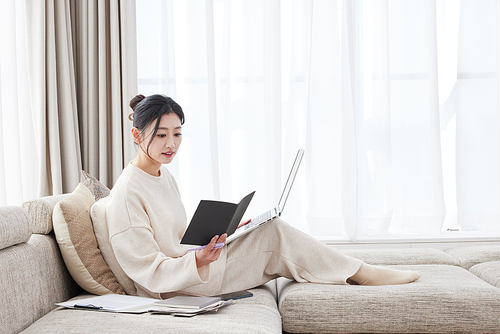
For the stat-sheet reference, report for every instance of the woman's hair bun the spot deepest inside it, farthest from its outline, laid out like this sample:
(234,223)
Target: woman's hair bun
(135,101)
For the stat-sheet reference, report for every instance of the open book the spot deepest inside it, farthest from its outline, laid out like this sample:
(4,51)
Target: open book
(214,218)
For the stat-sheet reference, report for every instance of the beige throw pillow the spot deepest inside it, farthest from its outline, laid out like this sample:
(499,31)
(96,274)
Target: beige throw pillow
(75,236)
(98,216)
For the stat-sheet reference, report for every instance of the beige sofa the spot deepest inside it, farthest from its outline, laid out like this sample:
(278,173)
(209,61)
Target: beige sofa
(459,292)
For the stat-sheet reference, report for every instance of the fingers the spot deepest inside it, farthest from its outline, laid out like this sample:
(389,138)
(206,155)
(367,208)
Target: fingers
(222,239)
(209,254)
(212,243)
(215,240)
(243,223)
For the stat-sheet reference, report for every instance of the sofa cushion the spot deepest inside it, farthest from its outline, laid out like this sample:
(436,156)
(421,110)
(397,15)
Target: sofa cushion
(97,189)
(15,226)
(471,255)
(445,299)
(406,256)
(40,211)
(257,314)
(33,278)
(98,216)
(78,245)
(488,271)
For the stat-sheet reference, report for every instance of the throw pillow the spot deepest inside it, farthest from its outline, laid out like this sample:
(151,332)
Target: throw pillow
(75,236)
(97,189)
(98,217)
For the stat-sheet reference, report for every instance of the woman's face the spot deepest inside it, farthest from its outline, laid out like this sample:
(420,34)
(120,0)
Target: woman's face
(167,140)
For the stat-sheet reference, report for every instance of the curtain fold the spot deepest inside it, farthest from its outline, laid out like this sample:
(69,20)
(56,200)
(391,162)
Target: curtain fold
(348,156)
(82,74)
(105,48)
(53,87)
(18,154)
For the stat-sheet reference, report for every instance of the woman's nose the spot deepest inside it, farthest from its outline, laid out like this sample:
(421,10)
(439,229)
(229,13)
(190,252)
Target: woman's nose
(170,142)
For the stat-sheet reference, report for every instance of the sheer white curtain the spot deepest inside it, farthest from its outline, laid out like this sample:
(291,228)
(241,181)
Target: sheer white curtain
(18,154)
(395,102)
(473,110)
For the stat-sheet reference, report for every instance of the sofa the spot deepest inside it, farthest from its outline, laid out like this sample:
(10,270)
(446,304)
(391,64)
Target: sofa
(458,292)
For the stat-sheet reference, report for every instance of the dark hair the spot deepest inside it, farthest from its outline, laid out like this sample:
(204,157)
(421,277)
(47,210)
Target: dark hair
(151,108)
(135,100)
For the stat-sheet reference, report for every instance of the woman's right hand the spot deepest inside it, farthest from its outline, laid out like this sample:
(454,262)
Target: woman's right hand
(208,254)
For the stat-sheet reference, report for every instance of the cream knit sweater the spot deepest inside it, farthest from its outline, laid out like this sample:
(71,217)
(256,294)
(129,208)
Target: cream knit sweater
(146,221)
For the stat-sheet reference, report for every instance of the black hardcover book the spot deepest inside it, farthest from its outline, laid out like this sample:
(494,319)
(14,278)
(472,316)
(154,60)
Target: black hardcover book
(213,218)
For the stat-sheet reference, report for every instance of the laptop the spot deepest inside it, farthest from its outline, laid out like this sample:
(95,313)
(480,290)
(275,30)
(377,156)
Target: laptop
(274,212)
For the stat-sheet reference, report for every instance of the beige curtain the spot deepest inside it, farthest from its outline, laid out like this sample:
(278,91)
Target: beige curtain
(53,91)
(83,73)
(107,71)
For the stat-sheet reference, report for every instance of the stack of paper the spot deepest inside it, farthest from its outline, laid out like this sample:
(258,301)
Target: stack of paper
(112,303)
(188,306)
(181,305)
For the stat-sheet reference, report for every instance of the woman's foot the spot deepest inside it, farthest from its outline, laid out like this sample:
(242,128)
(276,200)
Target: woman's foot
(373,275)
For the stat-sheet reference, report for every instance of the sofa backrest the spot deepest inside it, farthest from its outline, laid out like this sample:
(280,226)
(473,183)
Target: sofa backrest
(40,211)
(33,276)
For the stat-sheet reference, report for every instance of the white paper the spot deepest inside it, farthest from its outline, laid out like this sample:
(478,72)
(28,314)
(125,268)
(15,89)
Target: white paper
(113,303)
(159,309)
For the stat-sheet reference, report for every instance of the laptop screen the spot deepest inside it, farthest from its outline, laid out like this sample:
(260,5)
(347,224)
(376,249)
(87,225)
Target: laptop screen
(291,178)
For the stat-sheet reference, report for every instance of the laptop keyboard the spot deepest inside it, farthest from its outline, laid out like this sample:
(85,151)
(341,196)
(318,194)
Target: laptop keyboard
(261,218)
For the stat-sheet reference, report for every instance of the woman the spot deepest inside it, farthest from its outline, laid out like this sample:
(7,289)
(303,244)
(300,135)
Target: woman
(146,221)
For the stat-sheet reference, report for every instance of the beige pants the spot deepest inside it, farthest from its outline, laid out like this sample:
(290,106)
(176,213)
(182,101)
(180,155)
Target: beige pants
(274,250)
(279,250)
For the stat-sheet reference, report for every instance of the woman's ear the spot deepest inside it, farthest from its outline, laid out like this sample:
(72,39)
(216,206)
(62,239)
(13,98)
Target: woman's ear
(136,135)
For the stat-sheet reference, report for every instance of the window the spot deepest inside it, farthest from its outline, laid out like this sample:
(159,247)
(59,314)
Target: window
(396,104)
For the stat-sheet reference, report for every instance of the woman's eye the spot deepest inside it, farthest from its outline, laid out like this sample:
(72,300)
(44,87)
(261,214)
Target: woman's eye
(162,136)
(178,134)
